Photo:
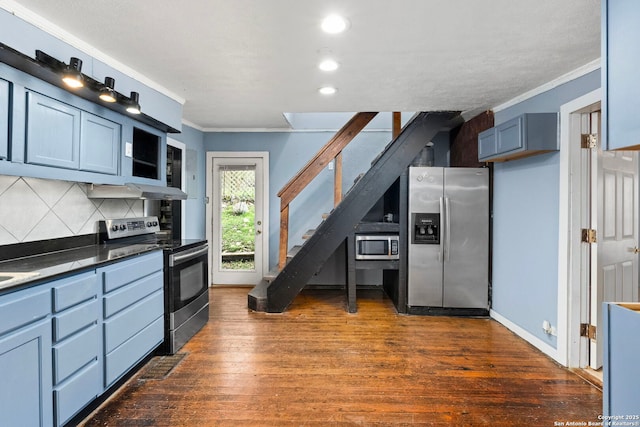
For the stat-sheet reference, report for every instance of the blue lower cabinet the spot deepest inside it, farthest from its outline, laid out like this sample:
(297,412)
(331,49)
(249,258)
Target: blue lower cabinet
(133,313)
(621,370)
(25,372)
(5,119)
(25,358)
(76,344)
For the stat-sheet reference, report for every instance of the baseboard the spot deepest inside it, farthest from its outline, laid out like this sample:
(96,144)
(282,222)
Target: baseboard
(527,336)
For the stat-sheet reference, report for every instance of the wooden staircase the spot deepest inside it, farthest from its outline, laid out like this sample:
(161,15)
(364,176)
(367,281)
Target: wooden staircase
(274,294)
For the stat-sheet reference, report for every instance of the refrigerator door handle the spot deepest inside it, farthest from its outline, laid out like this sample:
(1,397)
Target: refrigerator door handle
(447,230)
(441,254)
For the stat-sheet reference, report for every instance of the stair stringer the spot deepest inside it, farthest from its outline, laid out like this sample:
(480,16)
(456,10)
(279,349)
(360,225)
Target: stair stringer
(275,296)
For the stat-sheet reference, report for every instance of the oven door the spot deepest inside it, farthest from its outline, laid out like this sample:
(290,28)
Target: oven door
(187,277)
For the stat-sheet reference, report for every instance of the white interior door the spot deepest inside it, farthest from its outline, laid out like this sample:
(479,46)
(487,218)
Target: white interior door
(237,215)
(616,209)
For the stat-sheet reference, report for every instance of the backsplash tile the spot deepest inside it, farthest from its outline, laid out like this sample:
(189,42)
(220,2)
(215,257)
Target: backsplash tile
(37,209)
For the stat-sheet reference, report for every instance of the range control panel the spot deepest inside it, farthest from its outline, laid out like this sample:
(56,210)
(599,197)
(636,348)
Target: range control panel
(127,227)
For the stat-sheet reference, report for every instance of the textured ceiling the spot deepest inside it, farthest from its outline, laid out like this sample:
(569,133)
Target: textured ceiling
(243,63)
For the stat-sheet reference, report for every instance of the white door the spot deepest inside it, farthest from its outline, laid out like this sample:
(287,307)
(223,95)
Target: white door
(616,210)
(237,215)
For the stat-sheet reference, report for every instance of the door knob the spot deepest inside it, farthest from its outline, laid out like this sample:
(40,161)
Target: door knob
(636,250)
(258,232)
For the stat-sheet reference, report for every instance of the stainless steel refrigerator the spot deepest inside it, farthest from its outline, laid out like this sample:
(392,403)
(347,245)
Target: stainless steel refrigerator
(448,248)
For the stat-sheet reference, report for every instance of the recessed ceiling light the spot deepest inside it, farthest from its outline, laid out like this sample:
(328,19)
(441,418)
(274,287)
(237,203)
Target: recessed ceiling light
(328,65)
(327,90)
(334,24)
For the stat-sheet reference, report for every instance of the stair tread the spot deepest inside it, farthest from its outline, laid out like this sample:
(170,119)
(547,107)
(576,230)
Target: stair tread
(308,233)
(293,251)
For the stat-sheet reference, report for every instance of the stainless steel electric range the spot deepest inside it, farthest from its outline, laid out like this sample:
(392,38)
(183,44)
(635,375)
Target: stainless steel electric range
(186,290)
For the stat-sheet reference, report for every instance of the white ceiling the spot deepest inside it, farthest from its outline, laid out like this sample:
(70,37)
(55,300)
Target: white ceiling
(243,63)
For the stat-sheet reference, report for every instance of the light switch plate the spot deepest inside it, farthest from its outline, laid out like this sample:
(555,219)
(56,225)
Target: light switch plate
(128,149)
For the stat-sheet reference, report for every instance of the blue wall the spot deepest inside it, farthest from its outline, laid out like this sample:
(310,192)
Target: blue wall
(526,222)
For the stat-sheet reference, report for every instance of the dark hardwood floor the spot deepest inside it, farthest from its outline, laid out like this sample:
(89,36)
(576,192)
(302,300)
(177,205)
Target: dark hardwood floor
(317,365)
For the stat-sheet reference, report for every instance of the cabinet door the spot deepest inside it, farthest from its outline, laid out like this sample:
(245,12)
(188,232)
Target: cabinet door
(99,144)
(25,368)
(53,132)
(4,119)
(620,84)
(509,135)
(487,143)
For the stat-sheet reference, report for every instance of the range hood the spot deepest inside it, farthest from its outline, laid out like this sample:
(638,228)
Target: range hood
(134,191)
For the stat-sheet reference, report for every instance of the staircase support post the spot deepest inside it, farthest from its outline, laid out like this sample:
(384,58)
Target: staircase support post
(337,180)
(284,235)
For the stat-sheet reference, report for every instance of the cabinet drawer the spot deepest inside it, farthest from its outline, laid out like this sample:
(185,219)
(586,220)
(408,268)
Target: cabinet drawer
(18,309)
(124,297)
(76,393)
(74,353)
(75,319)
(131,352)
(79,289)
(127,323)
(129,271)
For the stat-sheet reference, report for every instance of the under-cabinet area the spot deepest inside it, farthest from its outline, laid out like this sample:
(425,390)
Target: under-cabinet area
(64,342)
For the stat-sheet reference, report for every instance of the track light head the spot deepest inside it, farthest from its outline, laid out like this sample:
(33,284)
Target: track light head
(72,75)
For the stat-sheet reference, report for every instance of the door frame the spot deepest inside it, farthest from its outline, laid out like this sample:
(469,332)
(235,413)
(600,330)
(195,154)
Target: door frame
(573,293)
(264,155)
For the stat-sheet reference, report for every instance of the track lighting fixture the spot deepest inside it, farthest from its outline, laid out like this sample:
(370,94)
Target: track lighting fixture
(107,94)
(133,104)
(72,75)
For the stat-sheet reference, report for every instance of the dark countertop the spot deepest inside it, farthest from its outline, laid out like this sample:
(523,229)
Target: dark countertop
(46,266)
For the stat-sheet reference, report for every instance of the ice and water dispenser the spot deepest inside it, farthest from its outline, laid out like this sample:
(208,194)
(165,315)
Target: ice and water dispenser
(425,228)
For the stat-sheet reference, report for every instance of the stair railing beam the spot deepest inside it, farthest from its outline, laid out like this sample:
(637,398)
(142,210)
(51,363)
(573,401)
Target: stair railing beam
(326,154)
(337,180)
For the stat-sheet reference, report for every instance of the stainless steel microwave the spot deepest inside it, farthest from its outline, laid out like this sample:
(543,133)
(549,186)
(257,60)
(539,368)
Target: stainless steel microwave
(377,246)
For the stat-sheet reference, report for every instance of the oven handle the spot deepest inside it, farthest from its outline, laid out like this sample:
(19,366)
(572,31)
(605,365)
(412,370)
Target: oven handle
(177,259)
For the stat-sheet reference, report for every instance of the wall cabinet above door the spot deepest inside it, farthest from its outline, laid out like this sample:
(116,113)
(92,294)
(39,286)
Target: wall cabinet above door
(522,136)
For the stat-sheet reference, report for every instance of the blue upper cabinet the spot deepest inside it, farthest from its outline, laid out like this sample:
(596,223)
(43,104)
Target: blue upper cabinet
(62,136)
(53,132)
(4,119)
(522,136)
(99,144)
(620,64)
